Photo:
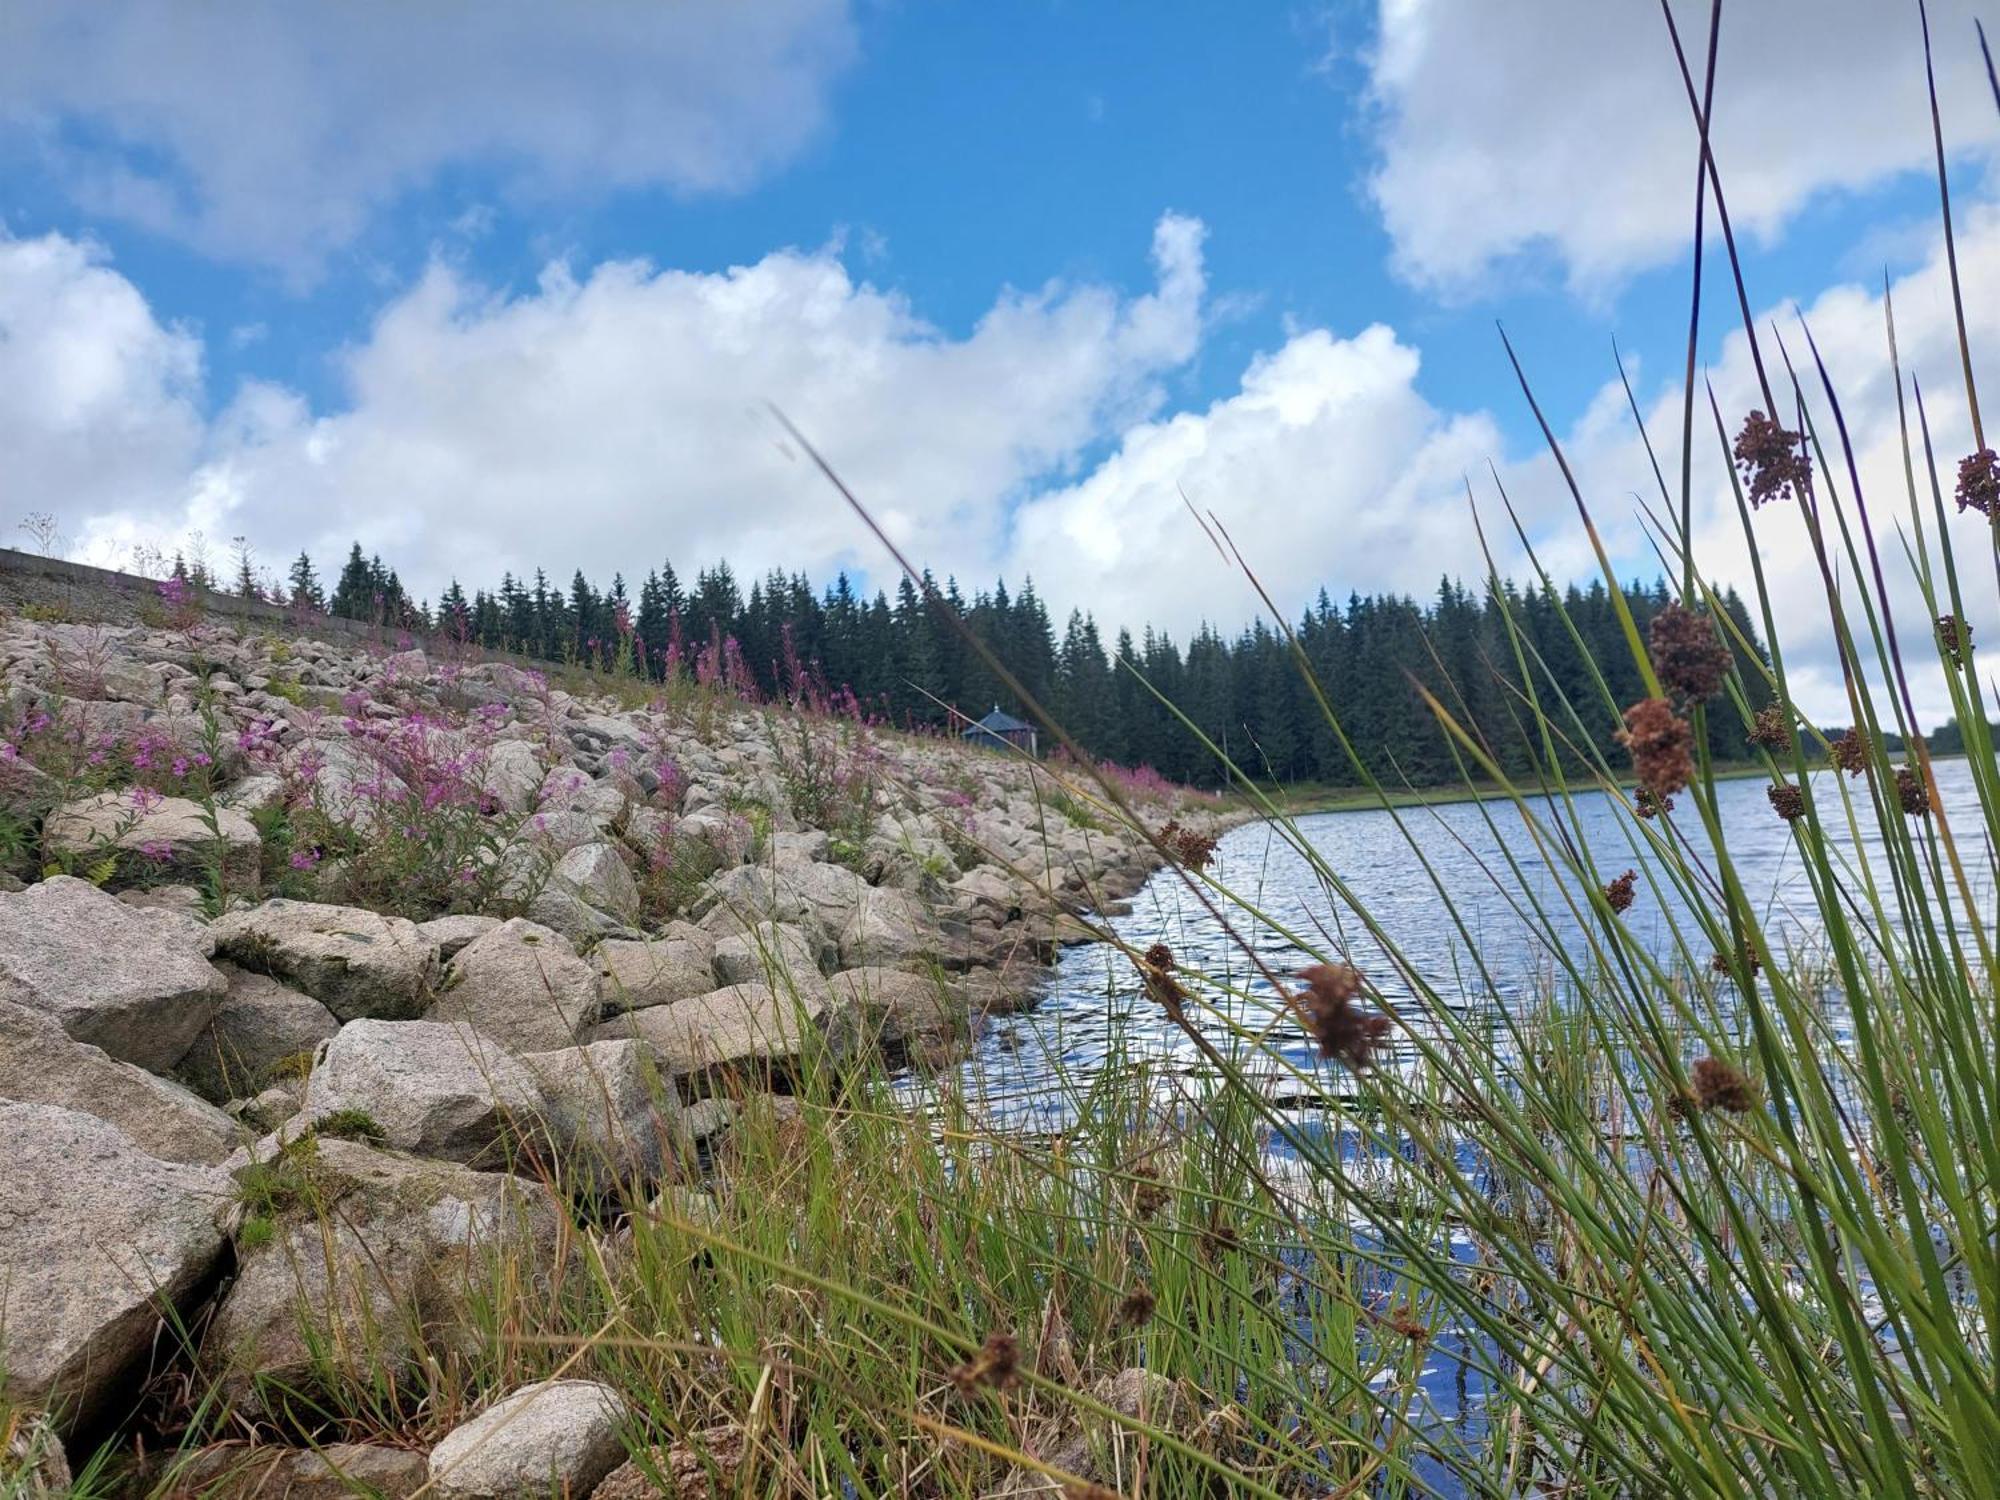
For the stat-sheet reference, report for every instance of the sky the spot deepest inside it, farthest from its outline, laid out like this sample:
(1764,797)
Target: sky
(498,286)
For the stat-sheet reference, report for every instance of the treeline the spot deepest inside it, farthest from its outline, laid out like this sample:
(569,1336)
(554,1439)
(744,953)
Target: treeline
(897,659)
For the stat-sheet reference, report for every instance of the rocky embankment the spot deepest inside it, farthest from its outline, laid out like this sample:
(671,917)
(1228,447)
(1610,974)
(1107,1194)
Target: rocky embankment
(325,973)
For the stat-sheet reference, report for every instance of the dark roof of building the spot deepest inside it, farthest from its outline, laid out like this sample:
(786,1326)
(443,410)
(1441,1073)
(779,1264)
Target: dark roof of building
(997,723)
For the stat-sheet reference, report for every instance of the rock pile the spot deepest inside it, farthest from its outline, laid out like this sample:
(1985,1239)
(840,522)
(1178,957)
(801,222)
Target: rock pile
(481,942)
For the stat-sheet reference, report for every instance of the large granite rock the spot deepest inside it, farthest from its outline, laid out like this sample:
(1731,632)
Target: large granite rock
(522,985)
(560,1437)
(372,1256)
(97,1240)
(355,962)
(888,927)
(774,953)
(636,975)
(435,1089)
(259,1026)
(611,1116)
(597,874)
(903,1009)
(511,775)
(107,974)
(745,1028)
(337,1471)
(149,835)
(40,1063)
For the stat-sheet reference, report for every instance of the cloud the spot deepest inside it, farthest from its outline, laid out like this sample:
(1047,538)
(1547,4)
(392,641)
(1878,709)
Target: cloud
(272,134)
(100,404)
(1327,467)
(609,420)
(1501,138)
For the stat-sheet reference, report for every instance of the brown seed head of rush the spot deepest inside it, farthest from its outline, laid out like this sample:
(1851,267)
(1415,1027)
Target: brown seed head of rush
(1849,752)
(1136,1309)
(1195,850)
(1720,1085)
(1646,805)
(1620,894)
(1660,743)
(1723,964)
(1156,972)
(996,1365)
(1771,728)
(1150,1196)
(1689,656)
(1772,460)
(1956,638)
(1342,1031)
(1978,482)
(1911,793)
(1787,801)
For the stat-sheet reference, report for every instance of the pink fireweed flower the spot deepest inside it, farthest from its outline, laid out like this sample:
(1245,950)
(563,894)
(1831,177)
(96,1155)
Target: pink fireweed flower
(145,799)
(304,859)
(157,850)
(9,751)
(180,767)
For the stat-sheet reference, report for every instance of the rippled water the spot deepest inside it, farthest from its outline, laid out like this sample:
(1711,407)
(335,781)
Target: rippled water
(1094,1006)
(1025,1069)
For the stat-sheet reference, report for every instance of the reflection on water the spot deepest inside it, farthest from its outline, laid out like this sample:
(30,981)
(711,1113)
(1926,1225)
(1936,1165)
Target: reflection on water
(1501,938)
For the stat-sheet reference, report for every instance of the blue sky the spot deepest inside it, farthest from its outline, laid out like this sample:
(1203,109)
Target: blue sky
(303,262)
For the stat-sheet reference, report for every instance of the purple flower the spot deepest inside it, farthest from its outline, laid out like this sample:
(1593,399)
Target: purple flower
(304,859)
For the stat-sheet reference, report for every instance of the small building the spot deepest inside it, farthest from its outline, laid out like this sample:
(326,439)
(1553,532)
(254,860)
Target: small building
(997,731)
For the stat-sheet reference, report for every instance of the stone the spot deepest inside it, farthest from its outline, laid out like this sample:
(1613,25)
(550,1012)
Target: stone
(369,1251)
(40,1063)
(521,984)
(636,975)
(511,775)
(270,1109)
(105,973)
(338,1471)
(355,962)
(612,1117)
(772,952)
(253,794)
(558,908)
(151,835)
(259,1026)
(599,876)
(98,1240)
(744,1028)
(889,928)
(560,1437)
(453,934)
(341,1470)
(807,848)
(738,899)
(435,1089)
(706,1462)
(901,1009)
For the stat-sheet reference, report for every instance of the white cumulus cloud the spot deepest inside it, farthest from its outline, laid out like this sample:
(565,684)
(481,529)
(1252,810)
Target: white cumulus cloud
(272,133)
(1563,128)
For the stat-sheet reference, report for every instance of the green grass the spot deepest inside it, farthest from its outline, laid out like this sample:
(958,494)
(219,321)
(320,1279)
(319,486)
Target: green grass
(1694,1227)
